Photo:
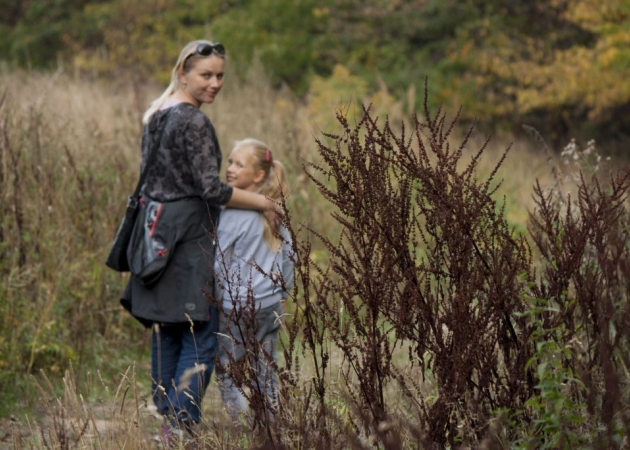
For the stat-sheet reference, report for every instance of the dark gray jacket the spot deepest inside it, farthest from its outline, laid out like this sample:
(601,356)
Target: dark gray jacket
(181,290)
(185,178)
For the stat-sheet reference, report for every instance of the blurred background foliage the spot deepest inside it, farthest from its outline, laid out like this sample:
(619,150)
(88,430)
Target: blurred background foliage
(558,65)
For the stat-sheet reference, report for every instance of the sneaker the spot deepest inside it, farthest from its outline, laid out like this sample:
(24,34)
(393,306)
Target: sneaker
(169,436)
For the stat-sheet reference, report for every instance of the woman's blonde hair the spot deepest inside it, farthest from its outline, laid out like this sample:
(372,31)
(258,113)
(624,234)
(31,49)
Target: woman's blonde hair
(273,185)
(184,64)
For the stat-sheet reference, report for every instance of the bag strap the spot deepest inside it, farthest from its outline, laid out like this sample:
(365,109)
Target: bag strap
(151,158)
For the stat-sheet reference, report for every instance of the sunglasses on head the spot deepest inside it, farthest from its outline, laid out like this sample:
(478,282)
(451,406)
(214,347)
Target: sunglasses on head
(204,49)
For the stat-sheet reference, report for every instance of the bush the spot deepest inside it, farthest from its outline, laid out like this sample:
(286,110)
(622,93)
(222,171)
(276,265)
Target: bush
(513,344)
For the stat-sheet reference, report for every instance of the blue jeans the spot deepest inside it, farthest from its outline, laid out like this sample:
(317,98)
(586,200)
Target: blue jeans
(233,347)
(182,361)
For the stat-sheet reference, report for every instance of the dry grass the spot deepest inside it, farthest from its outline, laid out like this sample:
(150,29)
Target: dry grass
(69,154)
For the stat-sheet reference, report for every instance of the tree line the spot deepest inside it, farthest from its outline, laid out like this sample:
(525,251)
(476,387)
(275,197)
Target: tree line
(557,65)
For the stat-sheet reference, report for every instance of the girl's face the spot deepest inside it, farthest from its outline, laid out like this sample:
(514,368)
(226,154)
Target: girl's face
(204,81)
(241,171)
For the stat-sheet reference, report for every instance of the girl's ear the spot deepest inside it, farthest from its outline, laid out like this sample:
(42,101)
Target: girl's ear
(260,175)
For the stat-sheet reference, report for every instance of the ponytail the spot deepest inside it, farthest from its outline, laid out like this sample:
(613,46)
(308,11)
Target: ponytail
(158,102)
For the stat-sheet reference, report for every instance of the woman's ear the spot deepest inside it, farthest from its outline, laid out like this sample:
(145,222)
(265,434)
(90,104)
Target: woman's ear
(183,78)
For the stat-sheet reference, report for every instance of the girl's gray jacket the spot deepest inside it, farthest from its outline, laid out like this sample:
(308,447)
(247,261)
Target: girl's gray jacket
(171,257)
(245,265)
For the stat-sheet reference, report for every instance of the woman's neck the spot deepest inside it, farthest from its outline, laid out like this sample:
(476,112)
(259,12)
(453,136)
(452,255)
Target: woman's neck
(169,103)
(182,97)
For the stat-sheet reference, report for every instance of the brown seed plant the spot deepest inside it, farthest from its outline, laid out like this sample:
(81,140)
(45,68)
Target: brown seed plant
(425,261)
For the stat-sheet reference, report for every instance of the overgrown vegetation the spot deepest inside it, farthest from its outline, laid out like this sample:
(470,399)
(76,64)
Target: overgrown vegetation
(517,353)
(422,317)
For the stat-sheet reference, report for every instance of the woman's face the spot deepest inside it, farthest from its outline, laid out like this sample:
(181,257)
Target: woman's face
(204,81)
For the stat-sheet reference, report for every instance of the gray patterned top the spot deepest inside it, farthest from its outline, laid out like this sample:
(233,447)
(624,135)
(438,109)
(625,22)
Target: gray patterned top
(188,162)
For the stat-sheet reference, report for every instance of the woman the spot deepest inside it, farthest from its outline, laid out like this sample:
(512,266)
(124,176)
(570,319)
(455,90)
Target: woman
(183,192)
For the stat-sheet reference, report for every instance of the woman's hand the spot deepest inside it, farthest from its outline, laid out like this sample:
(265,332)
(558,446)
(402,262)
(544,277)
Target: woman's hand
(273,214)
(251,200)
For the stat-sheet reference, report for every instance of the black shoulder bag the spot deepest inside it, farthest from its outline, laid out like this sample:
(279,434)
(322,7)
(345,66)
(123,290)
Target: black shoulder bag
(117,258)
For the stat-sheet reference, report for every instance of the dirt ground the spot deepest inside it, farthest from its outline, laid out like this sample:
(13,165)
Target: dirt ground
(70,433)
(108,426)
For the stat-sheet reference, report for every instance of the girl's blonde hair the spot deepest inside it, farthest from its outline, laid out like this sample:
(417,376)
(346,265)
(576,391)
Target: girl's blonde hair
(185,62)
(274,184)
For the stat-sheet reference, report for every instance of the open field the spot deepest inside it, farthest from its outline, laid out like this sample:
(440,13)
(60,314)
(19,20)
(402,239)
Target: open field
(74,366)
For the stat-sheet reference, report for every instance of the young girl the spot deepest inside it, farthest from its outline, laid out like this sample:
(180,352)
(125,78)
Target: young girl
(254,270)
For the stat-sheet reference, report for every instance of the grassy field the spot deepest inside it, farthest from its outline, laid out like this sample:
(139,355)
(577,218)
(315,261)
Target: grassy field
(72,361)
